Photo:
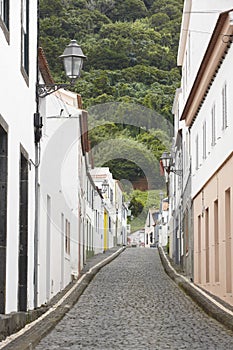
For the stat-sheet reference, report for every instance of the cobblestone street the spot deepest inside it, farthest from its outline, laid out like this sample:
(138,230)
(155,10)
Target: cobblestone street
(133,304)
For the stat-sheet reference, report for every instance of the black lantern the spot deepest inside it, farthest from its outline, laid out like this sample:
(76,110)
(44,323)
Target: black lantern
(168,164)
(105,186)
(166,159)
(73,60)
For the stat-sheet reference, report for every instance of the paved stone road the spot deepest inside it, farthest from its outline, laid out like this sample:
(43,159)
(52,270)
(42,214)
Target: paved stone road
(133,304)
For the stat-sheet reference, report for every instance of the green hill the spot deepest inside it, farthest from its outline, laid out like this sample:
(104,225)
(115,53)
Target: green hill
(128,81)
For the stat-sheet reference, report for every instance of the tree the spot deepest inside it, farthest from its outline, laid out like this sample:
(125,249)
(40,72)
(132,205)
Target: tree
(128,10)
(131,46)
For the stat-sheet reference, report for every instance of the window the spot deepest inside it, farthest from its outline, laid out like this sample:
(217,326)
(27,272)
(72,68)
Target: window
(48,282)
(5,18)
(228,241)
(184,154)
(204,140)
(207,245)
(4,12)
(111,195)
(92,199)
(67,241)
(187,147)
(197,155)
(186,69)
(189,52)
(25,38)
(216,240)
(199,248)
(224,106)
(23,232)
(213,126)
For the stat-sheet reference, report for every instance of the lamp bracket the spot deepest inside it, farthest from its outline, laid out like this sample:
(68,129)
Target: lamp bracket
(178,172)
(44,90)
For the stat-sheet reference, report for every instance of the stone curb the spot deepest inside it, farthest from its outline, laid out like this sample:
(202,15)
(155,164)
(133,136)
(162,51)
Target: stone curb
(31,335)
(191,290)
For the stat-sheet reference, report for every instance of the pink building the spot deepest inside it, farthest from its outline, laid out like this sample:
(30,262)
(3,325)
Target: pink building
(208,113)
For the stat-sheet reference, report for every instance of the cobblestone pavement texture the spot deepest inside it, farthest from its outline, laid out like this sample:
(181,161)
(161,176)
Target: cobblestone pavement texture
(132,304)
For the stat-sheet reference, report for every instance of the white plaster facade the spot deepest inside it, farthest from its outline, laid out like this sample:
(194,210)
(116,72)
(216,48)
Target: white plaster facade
(17,106)
(198,22)
(59,243)
(206,106)
(115,211)
(151,236)
(94,218)
(163,223)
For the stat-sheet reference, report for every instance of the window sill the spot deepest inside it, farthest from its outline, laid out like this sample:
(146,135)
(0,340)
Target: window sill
(25,75)
(5,31)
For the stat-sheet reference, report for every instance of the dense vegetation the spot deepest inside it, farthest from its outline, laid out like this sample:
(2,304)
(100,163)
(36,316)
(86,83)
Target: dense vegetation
(131,47)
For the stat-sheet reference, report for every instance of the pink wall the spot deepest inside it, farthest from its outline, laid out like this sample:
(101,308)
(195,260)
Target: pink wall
(213,225)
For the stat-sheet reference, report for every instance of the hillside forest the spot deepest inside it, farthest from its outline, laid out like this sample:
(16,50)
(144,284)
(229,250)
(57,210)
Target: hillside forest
(127,83)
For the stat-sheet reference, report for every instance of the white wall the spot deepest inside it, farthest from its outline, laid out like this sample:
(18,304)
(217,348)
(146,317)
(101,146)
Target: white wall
(224,142)
(59,179)
(202,20)
(19,116)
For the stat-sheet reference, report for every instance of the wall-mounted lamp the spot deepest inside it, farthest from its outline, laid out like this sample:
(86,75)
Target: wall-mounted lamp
(105,186)
(73,61)
(103,189)
(168,164)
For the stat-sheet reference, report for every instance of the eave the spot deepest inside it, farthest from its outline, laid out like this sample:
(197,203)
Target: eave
(44,67)
(211,62)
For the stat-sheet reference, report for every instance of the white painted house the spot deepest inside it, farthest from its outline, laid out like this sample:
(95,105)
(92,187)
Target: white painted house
(206,55)
(151,232)
(59,243)
(18,47)
(94,218)
(163,222)
(114,209)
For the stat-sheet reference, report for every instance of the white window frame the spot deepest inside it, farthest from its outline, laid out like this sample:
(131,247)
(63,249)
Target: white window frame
(4,12)
(224,106)
(204,154)
(5,18)
(197,153)
(213,125)
(25,38)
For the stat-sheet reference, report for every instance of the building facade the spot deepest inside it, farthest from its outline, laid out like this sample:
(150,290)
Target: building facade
(205,106)
(151,232)
(18,46)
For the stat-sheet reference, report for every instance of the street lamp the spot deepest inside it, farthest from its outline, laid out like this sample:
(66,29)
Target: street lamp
(105,186)
(168,164)
(73,61)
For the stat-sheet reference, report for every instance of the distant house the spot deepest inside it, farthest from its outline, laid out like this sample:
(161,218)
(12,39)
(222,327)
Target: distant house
(163,223)
(114,209)
(151,232)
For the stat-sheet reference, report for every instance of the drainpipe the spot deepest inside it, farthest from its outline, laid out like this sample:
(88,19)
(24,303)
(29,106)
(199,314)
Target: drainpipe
(37,162)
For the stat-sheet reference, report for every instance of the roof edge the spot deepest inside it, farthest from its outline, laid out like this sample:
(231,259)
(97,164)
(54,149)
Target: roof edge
(210,62)
(44,67)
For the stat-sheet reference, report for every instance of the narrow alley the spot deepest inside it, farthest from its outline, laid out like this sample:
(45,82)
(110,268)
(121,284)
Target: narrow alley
(132,304)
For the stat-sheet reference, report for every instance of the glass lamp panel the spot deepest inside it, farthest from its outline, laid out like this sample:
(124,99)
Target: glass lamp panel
(166,162)
(68,66)
(77,66)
